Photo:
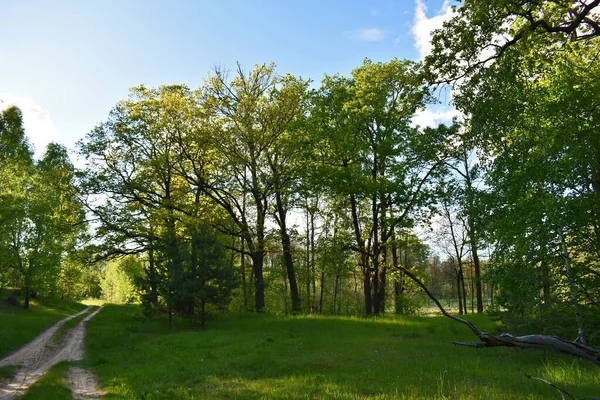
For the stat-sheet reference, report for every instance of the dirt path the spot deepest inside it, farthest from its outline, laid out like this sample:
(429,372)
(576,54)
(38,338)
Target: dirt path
(37,357)
(83,384)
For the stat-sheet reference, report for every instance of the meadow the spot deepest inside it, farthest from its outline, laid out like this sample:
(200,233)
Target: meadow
(263,356)
(249,356)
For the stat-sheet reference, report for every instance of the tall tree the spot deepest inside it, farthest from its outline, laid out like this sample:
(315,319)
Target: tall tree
(544,148)
(372,155)
(16,170)
(251,116)
(51,223)
(134,160)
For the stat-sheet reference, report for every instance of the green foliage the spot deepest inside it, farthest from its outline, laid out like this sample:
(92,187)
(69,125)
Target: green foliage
(117,280)
(372,161)
(41,216)
(526,78)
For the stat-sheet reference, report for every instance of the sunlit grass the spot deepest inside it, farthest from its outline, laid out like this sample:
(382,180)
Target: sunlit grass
(249,356)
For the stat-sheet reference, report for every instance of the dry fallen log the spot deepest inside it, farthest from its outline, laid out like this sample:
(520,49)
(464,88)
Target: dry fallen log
(544,342)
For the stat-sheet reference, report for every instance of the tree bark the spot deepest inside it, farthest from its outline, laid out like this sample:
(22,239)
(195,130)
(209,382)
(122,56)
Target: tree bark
(259,283)
(287,253)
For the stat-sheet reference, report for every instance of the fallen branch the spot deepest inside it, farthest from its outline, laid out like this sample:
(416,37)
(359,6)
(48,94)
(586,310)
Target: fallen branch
(544,342)
(563,393)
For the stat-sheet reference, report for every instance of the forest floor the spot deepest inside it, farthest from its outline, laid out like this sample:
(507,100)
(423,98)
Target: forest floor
(36,358)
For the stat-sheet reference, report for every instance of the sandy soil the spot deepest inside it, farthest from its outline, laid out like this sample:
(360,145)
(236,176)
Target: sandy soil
(37,357)
(83,384)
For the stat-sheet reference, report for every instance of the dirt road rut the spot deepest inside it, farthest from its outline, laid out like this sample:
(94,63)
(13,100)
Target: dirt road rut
(37,357)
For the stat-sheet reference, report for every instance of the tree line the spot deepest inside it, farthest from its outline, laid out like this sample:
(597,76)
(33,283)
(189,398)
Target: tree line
(262,187)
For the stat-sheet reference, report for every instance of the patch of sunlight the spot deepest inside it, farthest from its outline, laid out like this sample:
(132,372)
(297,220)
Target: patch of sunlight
(92,302)
(384,319)
(570,373)
(283,387)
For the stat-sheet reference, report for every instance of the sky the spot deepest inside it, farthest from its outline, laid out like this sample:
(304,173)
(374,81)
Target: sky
(66,63)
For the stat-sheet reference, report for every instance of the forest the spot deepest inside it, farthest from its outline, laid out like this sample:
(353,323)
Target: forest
(264,192)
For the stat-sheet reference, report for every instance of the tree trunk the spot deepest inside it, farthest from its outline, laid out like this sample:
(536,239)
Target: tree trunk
(382,279)
(27,295)
(321,292)
(309,303)
(243,271)
(312,259)
(477,268)
(376,302)
(367,289)
(458,291)
(152,274)
(259,284)
(287,253)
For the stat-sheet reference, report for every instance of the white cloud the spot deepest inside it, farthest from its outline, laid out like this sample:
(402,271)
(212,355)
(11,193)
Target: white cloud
(38,125)
(433,118)
(368,35)
(424,26)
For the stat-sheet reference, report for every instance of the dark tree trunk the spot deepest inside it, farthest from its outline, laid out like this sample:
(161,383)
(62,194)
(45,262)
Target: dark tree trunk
(309,304)
(478,290)
(398,282)
(464,291)
(312,259)
(321,292)
(152,274)
(202,312)
(287,254)
(376,302)
(367,288)
(458,291)
(259,283)
(383,282)
(27,295)
(243,271)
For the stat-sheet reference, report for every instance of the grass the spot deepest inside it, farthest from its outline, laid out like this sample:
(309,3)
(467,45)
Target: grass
(7,372)
(251,356)
(19,326)
(52,386)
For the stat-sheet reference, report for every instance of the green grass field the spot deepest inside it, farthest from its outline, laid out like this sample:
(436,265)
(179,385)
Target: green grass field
(19,326)
(251,356)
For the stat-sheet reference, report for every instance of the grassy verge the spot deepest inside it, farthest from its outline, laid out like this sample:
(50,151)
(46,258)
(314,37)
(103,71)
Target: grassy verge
(262,356)
(52,386)
(20,326)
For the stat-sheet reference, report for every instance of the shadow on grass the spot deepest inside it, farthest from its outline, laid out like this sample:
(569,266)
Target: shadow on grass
(261,356)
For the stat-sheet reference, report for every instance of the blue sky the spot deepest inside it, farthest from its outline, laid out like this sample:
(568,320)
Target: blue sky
(66,63)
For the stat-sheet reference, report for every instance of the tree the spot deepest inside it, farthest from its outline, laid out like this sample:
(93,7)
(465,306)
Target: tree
(50,224)
(16,169)
(371,155)
(481,32)
(118,279)
(250,118)
(134,160)
(215,274)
